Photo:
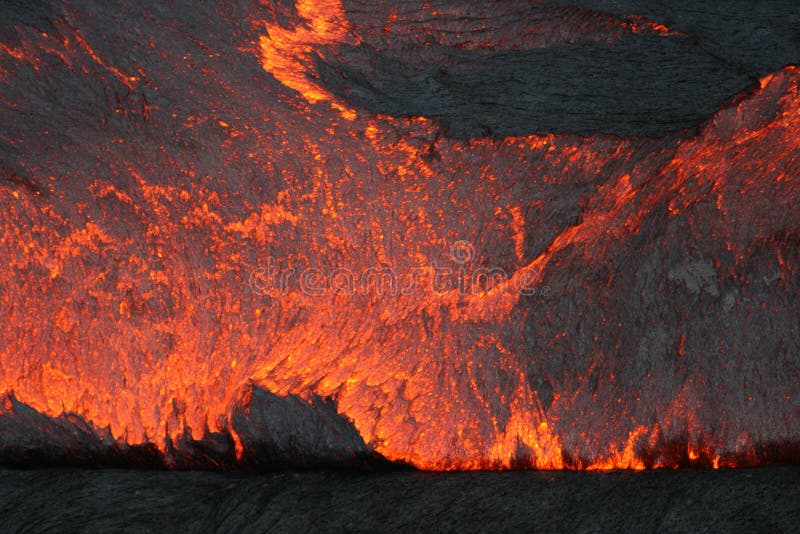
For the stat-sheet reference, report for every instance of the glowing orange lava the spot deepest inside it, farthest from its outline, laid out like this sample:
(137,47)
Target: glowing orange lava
(154,271)
(286,54)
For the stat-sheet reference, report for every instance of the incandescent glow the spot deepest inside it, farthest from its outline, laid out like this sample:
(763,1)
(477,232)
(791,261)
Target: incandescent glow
(287,54)
(171,237)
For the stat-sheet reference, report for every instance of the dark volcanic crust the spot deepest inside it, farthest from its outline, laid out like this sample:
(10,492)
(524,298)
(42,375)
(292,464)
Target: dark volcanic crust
(763,500)
(598,78)
(638,86)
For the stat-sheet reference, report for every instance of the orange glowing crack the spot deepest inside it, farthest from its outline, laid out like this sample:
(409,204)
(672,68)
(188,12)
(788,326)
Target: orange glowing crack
(287,54)
(121,76)
(639,24)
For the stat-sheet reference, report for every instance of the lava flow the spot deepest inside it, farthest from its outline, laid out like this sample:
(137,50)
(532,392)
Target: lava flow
(217,234)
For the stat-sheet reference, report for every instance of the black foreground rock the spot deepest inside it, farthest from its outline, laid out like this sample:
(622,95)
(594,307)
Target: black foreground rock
(747,500)
(273,433)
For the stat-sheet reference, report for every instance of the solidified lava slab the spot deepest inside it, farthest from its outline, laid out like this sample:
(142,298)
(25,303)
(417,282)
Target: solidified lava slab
(528,235)
(728,500)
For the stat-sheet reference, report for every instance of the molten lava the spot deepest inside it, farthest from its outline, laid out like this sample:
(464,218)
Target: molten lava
(186,217)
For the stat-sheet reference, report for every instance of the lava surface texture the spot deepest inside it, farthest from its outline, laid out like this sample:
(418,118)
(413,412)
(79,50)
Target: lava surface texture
(451,235)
